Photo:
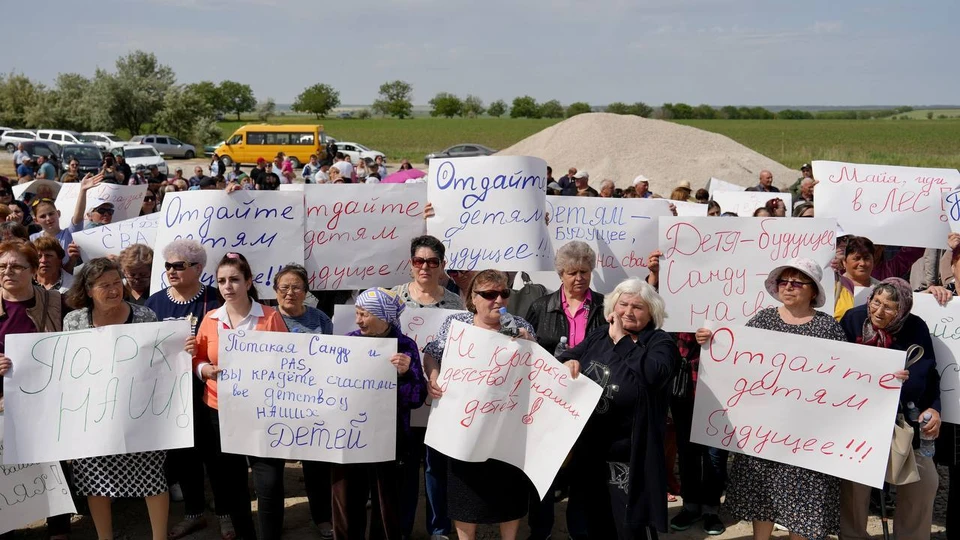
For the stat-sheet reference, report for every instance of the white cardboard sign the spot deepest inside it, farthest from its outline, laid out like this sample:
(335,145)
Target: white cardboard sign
(113,238)
(126,200)
(716,185)
(692,209)
(745,203)
(944,325)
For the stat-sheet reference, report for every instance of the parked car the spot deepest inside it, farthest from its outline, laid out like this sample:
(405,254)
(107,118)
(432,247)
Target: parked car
(105,140)
(3,129)
(61,136)
(142,154)
(89,157)
(211,148)
(167,146)
(461,150)
(47,149)
(357,151)
(10,139)
(345,114)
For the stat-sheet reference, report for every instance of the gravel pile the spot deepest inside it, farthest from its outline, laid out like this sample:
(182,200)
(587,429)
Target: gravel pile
(620,147)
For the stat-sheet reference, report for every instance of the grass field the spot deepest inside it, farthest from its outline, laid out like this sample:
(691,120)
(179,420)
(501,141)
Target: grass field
(792,142)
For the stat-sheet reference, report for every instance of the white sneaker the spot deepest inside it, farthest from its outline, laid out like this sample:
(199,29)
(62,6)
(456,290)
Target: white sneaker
(779,527)
(176,493)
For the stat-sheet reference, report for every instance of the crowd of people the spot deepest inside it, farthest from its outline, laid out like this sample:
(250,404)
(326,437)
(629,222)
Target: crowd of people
(620,473)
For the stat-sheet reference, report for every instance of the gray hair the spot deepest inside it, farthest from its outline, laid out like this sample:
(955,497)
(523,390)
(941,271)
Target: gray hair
(186,250)
(606,183)
(806,181)
(637,287)
(575,254)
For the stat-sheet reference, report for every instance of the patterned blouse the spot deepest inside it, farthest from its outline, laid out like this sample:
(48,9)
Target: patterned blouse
(82,319)
(435,347)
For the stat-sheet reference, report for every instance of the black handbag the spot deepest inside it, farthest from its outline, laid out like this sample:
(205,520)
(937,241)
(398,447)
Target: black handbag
(682,386)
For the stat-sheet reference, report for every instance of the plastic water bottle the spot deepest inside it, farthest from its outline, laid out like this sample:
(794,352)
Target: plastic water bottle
(928,446)
(508,325)
(562,347)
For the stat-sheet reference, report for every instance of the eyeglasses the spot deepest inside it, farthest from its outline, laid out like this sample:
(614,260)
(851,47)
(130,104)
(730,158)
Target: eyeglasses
(104,211)
(137,277)
(295,289)
(12,268)
(432,262)
(876,305)
(783,283)
(179,266)
(492,295)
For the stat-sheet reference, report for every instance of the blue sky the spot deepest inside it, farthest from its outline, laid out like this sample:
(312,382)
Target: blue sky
(841,52)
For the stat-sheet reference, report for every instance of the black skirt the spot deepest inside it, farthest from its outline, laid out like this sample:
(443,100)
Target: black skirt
(487,492)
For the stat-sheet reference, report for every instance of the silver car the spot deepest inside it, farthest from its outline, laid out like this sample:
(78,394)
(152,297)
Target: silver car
(167,146)
(461,150)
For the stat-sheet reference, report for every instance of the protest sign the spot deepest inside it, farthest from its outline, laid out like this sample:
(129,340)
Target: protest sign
(113,238)
(31,492)
(899,206)
(819,404)
(307,396)
(266,227)
(686,208)
(745,203)
(490,212)
(126,200)
(357,236)
(944,325)
(508,399)
(35,186)
(108,390)
(622,232)
(952,205)
(716,185)
(715,268)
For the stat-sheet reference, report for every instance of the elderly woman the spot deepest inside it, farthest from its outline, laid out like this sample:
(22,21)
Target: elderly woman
(50,273)
(378,315)
(621,449)
(136,262)
(863,266)
(766,492)
(27,308)
(188,298)
(240,311)
(491,491)
(97,295)
(886,322)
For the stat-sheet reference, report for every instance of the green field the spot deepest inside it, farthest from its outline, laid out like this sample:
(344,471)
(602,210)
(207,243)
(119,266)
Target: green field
(792,142)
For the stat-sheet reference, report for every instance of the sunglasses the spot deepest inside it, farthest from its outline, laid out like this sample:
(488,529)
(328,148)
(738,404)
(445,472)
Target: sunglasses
(104,211)
(38,201)
(492,295)
(792,283)
(179,266)
(432,262)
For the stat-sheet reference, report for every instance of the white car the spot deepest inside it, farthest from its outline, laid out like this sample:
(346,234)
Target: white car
(357,151)
(10,139)
(61,136)
(143,154)
(105,140)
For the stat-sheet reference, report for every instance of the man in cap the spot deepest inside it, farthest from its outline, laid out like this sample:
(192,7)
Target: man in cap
(806,171)
(582,181)
(138,177)
(766,183)
(641,184)
(155,176)
(25,169)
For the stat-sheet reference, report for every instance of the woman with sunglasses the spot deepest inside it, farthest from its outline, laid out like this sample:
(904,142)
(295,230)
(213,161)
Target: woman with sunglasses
(490,491)
(428,265)
(149,204)
(6,191)
(73,172)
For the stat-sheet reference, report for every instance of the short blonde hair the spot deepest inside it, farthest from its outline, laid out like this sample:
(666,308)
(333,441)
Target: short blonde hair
(637,287)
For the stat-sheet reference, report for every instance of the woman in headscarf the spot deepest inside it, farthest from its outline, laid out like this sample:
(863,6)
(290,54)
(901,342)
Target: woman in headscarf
(378,315)
(886,322)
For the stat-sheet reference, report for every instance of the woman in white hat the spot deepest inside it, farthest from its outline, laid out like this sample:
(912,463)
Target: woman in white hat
(765,492)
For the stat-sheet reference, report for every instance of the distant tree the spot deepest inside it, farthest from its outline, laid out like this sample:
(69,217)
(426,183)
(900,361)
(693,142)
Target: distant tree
(497,109)
(704,112)
(135,93)
(472,106)
(794,114)
(363,114)
(446,104)
(730,112)
(266,109)
(17,94)
(551,109)
(930,115)
(617,107)
(182,107)
(318,99)
(395,99)
(212,96)
(238,98)
(67,105)
(761,113)
(679,111)
(206,130)
(524,107)
(578,107)
(640,109)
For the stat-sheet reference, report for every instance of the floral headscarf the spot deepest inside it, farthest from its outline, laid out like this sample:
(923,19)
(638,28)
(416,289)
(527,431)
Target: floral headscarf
(883,337)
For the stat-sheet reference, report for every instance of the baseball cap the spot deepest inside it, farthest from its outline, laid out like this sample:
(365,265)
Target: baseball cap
(208,182)
(102,206)
(141,168)
(581,174)
(261,160)
(179,169)
(641,178)
(805,166)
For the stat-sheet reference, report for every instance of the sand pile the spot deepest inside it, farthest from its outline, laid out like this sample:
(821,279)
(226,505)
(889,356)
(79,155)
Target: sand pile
(620,147)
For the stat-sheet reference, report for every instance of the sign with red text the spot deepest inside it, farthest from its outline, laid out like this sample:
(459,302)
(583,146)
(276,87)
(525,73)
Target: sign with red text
(714,269)
(114,237)
(490,212)
(944,325)
(509,400)
(31,492)
(622,232)
(898,206)
(357,236)
(745,203)
(126,200)
(823,405)
(266,227)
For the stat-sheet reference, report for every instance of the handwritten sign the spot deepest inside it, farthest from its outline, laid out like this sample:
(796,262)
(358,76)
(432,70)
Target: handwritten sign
(357,236)
(818,404)
(944,325)
(307,396)
(900,206)
(508,399)
(31,492)
(126,200)
(951,202)
(266,227)
(113,238)
(715,268)
(745,203)
(686,208)
(490,212)
(622,232)
(109,390)
(34,186)
(716,185)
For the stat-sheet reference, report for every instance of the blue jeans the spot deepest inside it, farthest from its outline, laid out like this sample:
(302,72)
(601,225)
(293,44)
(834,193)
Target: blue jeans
(435,480)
